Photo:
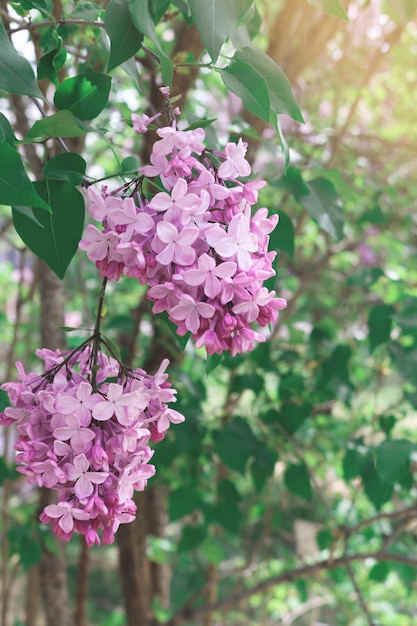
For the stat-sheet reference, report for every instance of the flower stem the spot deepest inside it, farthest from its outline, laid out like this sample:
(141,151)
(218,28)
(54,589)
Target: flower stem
(96,334)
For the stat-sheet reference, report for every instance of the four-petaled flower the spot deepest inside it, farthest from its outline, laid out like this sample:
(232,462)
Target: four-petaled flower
(190,311)
(208,273)
(176,245)
(84,480)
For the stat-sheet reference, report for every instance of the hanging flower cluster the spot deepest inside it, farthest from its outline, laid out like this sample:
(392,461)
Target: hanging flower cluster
(87,437)
(195,243)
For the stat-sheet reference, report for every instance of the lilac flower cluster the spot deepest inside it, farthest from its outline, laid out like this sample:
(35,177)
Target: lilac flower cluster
(195,243)
(87,437)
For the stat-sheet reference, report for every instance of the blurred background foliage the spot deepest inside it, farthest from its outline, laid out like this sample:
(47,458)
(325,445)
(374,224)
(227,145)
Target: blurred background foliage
(288,496)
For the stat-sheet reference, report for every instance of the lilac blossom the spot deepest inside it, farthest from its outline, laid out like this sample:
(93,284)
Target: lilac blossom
(88,439)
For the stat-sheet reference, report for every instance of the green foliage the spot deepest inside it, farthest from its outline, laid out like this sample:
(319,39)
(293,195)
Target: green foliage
(215,20)
(333,7)
(125,39)
(16,74)
(15,186)
(84,95)
(63,227)
(69,166)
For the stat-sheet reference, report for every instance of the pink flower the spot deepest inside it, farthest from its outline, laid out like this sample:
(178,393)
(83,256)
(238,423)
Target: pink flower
(189,311)
(177,202)
(238,241)
(79,437)
(65,513)
(124,406)
(208,273)
(177,246)
(235,164)
(81,404)
(84,480)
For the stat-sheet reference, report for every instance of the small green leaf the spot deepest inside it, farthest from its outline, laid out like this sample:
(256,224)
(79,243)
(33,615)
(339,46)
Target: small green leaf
(235,444)
(16,74)
(282,237)
(4,400)
(143,20)
(324,205)
(332,7)
(69,166)
(379,571)
(125,39)
(6,131)
(401,11)
(84,95)
(56,241)
(379,324)
(61,124)
(354,462)
(182,501)
(393,460)
(15,185)
(192,536)
(377,491)
(181,340)
(247,83)
(213,361)
(130,165)
(279,88)
(112,347)
(215,20)
(297,480)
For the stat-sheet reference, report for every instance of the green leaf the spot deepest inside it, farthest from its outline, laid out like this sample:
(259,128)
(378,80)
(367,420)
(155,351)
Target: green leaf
(159,8)
(325,207)
(130,165)
(56,241)
(50,63)
(181,340)
(282,237)
(227,515)
(215,20)
(332,7)
(379,572)
(379,324)
(293,182)
(263,466)
(143,20)
(15,185)
(7,471)
(292,416)
(279,88)
(16,74)
(247,83)
(354,462)
(191,537)
(125,39)
(401,11)
(25,543)
(227,490)
(4,400)
(89,11)
(297,480)
(6,131)
(182,501)
(377,491)
(84,95)
(69,166)
(213,361)
(335,377)
(61,124)
(235,444)
(393,460)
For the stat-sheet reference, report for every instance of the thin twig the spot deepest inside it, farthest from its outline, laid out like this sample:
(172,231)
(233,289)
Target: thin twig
(356,587)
